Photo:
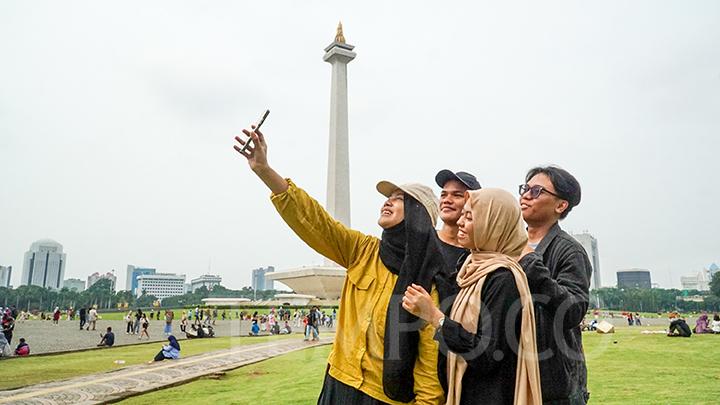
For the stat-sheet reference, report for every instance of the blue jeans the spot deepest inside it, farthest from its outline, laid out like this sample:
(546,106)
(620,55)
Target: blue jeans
(311,329)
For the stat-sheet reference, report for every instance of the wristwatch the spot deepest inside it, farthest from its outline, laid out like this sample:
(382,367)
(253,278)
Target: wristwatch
(441,322)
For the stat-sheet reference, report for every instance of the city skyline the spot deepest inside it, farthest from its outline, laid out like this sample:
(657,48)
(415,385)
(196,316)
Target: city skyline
(119,144)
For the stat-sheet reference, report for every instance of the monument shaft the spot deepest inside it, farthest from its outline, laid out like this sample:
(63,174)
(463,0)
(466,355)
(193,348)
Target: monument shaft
(338,181)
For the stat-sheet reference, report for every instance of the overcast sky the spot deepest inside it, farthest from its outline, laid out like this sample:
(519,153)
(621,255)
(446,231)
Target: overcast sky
(117,122)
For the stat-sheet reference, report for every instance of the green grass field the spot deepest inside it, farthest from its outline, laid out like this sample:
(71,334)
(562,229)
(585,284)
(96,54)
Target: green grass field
(18,372)
(638,369)
(624,367)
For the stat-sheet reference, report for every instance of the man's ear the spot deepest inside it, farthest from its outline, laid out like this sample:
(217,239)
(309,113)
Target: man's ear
(561,207)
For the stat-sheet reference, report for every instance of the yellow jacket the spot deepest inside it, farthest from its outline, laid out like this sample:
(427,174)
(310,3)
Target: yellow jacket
(356,358)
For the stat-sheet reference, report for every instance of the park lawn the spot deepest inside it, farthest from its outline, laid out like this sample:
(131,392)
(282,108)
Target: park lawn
(294,378)
(638,369)
(17,372)
(652,369)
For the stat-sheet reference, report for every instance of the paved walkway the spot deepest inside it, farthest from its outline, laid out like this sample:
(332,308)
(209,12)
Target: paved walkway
(135,380)
(44,337)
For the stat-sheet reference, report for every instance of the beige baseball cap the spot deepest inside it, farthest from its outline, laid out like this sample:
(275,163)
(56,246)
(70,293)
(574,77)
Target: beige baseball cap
(422,193)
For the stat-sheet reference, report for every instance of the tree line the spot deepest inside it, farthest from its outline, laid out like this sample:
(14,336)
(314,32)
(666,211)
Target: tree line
(658,299)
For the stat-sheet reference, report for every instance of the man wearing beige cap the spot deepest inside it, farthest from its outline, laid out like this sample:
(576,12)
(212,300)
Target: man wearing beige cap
(381,353)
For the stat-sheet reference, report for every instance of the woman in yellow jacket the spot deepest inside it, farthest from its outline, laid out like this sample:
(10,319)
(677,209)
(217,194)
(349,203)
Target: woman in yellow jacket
(381,353)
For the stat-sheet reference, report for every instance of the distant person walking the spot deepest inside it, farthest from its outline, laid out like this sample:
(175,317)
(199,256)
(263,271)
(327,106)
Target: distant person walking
(313,324)
(56,316)
(129,323)
(83,317)
(8,325)
(138,321)
(169,315)
(144,324)
(183,322)
(92,318)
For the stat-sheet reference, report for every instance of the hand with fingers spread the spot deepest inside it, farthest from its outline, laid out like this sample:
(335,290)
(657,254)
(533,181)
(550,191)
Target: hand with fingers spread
(254,148)
(256,154)
(418,302)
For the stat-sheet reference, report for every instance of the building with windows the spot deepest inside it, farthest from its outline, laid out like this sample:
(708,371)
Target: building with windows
(44,265)
(133,272)
(206,280)
(589,243)
(712,269)
(95,277)
(5,275)
(260,281)
(74,284)
(161,285)
(634,278)
(700,280)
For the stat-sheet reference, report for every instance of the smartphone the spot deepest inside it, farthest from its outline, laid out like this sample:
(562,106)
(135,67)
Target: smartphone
(257,126)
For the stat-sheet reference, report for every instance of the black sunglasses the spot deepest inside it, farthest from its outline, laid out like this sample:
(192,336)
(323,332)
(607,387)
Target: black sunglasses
(535,191)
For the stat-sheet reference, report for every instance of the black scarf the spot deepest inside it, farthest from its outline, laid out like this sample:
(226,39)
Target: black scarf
(411,250)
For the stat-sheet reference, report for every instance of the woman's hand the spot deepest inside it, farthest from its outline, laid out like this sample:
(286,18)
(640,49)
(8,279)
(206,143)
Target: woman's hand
(418,302)
(255,153)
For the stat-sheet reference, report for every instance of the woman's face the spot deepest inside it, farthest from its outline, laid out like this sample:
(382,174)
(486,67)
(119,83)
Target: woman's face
(393,211)
(466,227)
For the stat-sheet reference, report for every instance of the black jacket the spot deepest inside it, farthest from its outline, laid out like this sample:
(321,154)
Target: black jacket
(558,274)
(490,352)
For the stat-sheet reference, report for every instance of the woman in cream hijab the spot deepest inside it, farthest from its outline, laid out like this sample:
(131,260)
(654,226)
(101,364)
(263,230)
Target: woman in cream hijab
(489,332)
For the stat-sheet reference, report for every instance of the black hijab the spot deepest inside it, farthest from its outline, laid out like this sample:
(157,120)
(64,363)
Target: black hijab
(411,250)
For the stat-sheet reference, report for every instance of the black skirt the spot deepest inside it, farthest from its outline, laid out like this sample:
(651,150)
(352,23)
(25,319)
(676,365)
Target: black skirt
(334,392)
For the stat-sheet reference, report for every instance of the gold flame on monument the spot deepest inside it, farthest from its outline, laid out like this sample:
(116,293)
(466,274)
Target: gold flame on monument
(339,34)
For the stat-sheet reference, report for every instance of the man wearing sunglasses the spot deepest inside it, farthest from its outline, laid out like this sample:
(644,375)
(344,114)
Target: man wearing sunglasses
(558,273)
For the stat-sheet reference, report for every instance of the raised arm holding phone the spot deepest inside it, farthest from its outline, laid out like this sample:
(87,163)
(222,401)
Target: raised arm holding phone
(381,353)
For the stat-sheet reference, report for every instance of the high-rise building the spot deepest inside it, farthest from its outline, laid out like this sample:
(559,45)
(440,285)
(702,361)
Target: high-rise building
(206,280)
(161,285)
(44,265)
(133,272)
(5,275)
(634,278)
(711,270)
(260,282)
(95,277)
(590,244)
(74,284)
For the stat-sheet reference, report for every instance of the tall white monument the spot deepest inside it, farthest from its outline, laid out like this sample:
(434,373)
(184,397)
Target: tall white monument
(327,281)
(339,54)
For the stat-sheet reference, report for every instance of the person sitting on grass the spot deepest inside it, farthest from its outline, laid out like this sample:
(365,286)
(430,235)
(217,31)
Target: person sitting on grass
(169,351)
(254,329)
(23,349)
(108,339)
(286,330)
(702,324)
(715,324)
(192,333)
(678,326)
